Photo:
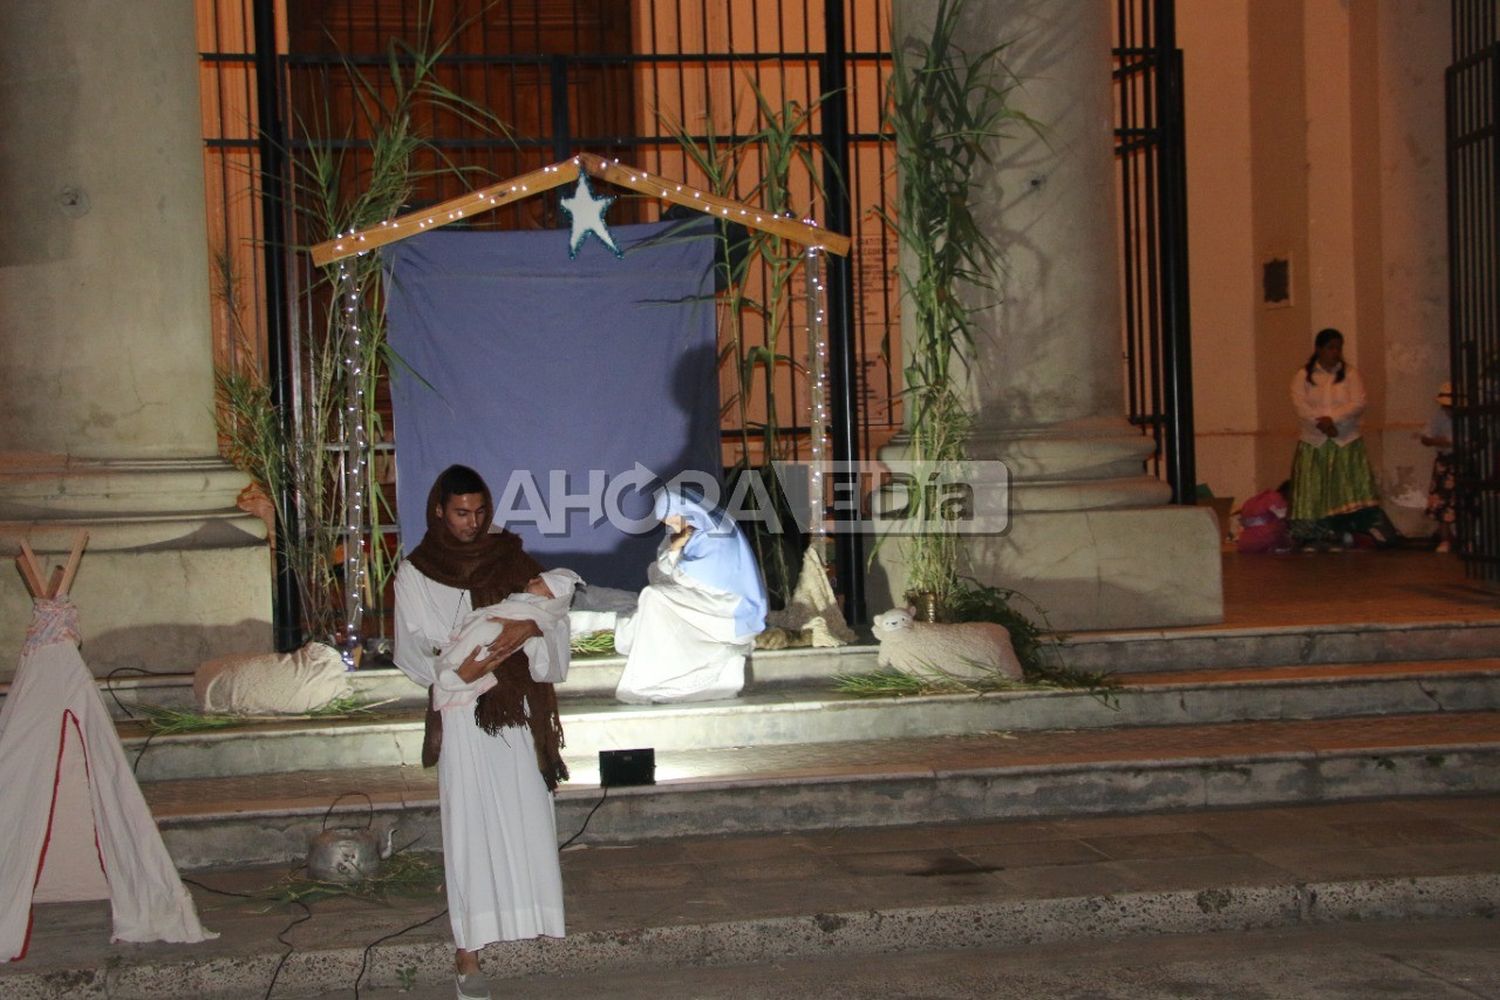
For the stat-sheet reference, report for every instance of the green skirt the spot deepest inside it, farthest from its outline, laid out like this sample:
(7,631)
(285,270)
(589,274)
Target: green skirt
(1329,480)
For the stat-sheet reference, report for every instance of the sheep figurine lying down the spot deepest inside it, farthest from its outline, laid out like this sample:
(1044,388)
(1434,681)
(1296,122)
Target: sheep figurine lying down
(965,650)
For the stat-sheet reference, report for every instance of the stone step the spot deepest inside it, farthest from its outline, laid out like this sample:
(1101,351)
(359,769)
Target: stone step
(589,677)
(820,715)
(1121,652)
(268,818)
(1143,650)
(763,900)
(1126,652)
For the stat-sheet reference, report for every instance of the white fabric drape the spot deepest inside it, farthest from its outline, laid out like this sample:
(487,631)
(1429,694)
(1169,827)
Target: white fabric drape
(53,691)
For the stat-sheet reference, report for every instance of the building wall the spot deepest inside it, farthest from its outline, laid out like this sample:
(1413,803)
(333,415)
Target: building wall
(103,300)
(1315,136)
(1414,45)
(1215,39)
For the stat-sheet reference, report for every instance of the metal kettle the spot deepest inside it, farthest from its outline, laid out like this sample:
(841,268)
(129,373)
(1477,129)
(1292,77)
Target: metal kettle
(347,854)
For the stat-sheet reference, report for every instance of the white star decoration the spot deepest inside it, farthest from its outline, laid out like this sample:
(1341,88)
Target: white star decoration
(587,213)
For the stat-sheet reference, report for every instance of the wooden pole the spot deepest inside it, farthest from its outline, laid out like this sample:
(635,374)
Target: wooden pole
(804,232)
(80,540)
(452,210)
(30,571)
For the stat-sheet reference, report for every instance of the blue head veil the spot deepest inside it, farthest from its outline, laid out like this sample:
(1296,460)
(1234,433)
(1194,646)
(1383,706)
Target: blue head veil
(718,555)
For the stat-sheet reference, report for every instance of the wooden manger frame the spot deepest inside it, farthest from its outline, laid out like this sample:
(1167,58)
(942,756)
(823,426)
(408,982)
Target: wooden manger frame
(805,232)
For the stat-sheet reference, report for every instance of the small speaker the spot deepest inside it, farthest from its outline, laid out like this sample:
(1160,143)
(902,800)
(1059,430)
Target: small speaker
(627,767)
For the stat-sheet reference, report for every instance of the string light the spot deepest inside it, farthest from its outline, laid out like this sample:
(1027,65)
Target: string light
(356,461)
(817,368)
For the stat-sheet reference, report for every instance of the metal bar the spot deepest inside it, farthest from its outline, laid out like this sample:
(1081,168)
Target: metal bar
(1179,439)
(833,74)
(561,123)
(1471,115)
(1484,272)
(1134,402)
(542,58)
(285,610)
(1150,148)
(533,142)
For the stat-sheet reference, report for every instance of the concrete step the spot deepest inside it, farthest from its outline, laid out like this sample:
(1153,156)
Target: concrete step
(1126,652)
(819,715)
(1149,650)
(590,677)
(840,892)
(268,817)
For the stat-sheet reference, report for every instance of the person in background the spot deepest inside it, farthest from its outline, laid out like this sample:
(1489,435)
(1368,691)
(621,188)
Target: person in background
(1332,482)
(1439,434)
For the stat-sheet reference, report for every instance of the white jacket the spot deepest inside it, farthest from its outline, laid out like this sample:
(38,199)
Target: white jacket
(1343,401)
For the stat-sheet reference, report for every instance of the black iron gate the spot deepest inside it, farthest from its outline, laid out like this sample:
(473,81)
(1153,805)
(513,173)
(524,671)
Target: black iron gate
(1150,152)
(617,79)
(1473,153)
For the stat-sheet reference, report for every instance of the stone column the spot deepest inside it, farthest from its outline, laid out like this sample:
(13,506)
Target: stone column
(106,368)
(1092,538)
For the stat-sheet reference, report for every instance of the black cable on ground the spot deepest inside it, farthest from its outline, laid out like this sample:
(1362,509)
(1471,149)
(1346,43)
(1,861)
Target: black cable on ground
(365,958)
(281,936)
(586,819)
(144,747)
(109,687)
(381,940)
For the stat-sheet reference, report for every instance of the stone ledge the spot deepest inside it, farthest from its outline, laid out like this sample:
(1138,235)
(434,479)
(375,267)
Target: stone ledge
(1209,908)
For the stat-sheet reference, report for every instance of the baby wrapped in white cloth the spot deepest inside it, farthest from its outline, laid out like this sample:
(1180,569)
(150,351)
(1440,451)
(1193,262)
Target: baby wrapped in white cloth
(544,601)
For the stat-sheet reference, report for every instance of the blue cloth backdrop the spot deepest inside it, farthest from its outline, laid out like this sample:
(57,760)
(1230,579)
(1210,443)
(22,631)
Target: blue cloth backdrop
(536,369)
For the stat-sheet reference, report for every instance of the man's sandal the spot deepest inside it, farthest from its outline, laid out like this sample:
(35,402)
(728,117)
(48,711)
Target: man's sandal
(472,986)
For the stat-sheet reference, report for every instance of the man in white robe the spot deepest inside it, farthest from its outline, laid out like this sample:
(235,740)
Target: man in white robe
(499,758)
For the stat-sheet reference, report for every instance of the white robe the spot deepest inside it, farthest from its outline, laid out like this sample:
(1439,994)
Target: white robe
(499,830)
(680,644)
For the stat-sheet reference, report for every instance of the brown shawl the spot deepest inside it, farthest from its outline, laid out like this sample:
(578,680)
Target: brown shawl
(491,568)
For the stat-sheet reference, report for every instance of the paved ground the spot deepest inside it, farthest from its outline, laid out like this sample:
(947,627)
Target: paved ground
(1400,961)
(1405,585)
(1087,876)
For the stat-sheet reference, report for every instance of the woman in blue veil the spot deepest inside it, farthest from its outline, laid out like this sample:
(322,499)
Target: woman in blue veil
(700,612)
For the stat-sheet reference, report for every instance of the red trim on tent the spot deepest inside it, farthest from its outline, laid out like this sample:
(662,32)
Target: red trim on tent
(62,736)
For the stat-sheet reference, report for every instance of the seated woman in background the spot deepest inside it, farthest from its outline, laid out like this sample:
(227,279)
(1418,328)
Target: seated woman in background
(700,612)
(1332,482)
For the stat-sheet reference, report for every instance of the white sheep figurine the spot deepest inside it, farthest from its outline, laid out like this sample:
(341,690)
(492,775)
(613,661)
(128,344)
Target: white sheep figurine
(965,650)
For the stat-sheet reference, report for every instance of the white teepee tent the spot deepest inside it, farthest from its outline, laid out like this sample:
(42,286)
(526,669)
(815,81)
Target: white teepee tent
(72,818)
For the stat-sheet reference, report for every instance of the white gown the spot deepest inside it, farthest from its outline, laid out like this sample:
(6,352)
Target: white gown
(499,830)
(680,644)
